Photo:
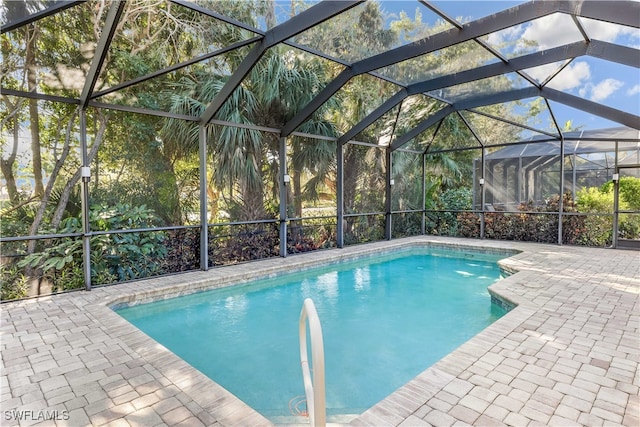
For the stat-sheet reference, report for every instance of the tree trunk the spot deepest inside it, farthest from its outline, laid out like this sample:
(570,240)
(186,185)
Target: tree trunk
(66,192)
(297,182)
(270,15)
(168,192)
(6,165)
(252,201)
(52,180)
(32,85)
(351,172)
(213,196)
(297,194)
(252,188)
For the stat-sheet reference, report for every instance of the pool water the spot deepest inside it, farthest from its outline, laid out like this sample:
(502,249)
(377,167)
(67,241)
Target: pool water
(384,319)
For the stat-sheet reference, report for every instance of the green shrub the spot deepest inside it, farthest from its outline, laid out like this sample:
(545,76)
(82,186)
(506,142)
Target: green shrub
(407,224)
(231,244)
(452,200)
(468,224)
(595,200)
(14,283)
(114,256)
(363,229)
(600,200)
(629,192)
(536,223)
(598,230)
(629,226)
(183,250)
(629,189)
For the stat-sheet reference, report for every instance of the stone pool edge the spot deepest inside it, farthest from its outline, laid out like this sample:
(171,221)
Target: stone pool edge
(567,355)
(221,404)
(359,252)
(400,405)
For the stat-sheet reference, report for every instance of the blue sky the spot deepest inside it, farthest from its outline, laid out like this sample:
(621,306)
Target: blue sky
(614,85)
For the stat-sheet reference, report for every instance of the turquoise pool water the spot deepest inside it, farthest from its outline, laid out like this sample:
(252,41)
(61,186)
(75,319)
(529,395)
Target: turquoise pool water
(384,319)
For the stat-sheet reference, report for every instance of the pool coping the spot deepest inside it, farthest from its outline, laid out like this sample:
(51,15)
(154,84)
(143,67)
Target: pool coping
(146,296)
(111,389)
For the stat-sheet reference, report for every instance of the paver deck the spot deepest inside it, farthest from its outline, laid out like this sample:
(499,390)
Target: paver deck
(568,354)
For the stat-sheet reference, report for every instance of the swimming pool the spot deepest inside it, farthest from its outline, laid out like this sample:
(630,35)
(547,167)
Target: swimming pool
(385,319)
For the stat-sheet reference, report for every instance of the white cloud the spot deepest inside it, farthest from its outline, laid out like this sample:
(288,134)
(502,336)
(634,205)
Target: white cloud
(584,89)
(541,72)
(571,77)
(607,31)
(633,91)
(551,31)
(506,35)
(604,89)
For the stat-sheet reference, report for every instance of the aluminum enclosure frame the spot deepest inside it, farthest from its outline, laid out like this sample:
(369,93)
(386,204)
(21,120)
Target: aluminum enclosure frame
(625,13)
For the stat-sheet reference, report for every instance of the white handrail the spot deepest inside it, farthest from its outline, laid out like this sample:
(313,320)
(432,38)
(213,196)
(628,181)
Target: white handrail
(314,391)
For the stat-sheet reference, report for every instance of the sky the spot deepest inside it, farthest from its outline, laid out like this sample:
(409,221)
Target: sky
(611,84)
(614,85)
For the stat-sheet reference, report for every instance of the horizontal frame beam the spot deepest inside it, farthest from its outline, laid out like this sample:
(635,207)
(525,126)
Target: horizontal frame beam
(599,110)
(175,67)
(623,12)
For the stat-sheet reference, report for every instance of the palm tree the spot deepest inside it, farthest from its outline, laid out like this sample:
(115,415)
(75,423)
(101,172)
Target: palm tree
(244,160)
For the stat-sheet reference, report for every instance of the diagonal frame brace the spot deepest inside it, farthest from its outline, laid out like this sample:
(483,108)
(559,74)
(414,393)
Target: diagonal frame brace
(299,23)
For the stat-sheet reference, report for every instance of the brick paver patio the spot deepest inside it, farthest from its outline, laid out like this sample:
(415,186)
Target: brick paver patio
(567,355)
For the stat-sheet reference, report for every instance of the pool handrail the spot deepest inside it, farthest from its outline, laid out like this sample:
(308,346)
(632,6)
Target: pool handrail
(314,390)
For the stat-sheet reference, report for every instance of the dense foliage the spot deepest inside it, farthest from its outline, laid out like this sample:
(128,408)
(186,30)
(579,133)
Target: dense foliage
(114,256)
(145,169)
(600,200)
(587,220)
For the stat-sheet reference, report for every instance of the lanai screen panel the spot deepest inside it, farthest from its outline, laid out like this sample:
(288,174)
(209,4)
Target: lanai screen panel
(415,110)
(186,35)
(244,174)
(358,98)
(454,133)
(535,35)
(407,193)
(515,121)
(259,15)
(53,55)
(381,131)
(311,165)
(41,182)
(146,161)
(187,90)
(454,59)
(492,131)
(423,141)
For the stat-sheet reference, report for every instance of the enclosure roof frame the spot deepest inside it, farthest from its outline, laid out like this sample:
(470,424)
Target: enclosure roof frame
(623,13)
